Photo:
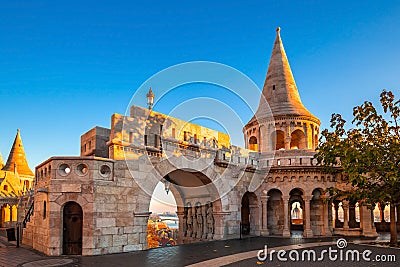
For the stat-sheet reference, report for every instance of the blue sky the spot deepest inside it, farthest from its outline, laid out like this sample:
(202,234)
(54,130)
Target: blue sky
(66,66)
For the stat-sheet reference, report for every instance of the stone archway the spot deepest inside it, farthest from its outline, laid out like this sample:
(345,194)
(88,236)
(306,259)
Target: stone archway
(317,213)
(253,144)
(250,214)
(298,140)
(296,197)
(278,140)
(198,206)
(275,213)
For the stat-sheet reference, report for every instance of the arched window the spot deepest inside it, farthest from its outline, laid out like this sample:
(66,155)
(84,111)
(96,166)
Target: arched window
(298,140)
(278,140)
(253,145)
(5,187)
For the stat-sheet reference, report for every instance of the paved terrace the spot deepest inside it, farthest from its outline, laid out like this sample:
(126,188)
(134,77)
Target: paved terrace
(217,253)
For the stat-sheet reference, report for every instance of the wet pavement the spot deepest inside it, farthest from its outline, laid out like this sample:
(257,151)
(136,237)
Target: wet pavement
(181,255)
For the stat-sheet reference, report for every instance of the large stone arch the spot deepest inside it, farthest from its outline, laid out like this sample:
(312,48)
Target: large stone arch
(198,199)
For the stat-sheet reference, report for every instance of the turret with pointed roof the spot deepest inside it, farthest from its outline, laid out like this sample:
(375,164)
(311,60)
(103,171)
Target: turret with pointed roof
(280,88)
(17,158)
(1,161)
(280,112)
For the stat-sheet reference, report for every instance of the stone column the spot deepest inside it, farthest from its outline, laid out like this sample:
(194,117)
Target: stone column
(204,213)
(181,229)
(264,216)
(325,206)
(307,135)
(345,205)
(336,207)
(219,231)
(352,215)
(307,231)
(267,137)
(286,231)
(11,212)
(314,145)
(287,143)
(259,143)
(382,212)
(368,228)
(194,220)
(140,220)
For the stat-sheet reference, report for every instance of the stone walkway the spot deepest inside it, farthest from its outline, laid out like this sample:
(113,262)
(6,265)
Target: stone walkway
(217,253)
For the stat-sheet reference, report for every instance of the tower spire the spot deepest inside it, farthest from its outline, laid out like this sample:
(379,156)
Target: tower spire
(17,158)
(280,90)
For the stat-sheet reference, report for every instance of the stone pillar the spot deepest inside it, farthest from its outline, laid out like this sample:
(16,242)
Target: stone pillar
(307,231)
(194,220)
(219,224)
(345,205)
(268,141)
(287,143)
(314,145)
(264,216)
(382,212)
(336,206)
(326,206)
(307,135)
(11,213)
(368,228)
(286,231)
(204,213)
(140,220)
(182,228)
(352,215)
(259,143)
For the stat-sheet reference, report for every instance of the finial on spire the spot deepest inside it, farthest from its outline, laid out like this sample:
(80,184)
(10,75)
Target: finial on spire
(278,29)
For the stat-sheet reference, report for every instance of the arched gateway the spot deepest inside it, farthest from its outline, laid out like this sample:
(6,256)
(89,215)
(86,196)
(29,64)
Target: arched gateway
(272,188)
(72,229)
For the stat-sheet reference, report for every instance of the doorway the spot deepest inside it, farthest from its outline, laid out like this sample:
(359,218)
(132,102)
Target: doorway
(72,229)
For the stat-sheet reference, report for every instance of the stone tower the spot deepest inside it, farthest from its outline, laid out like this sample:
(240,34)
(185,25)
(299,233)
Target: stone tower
(17,158)
(281,121)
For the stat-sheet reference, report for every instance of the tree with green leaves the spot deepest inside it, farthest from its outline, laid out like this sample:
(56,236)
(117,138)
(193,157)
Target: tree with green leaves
(367,153)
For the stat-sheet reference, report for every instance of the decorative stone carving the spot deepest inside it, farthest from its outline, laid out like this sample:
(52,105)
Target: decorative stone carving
(189,222)
(199,219)
(210,222)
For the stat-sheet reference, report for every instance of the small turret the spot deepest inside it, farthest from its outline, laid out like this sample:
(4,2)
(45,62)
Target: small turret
(281,121)
(17,158)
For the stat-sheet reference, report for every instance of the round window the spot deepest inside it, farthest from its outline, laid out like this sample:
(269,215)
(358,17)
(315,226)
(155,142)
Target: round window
(105,171)
(81,169)
(64,169)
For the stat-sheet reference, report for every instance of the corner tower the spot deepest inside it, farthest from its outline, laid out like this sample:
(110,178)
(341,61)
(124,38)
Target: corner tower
(281,121)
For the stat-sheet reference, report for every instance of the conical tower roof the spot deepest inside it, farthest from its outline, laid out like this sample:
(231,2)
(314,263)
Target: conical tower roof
(280,90)
(17,158)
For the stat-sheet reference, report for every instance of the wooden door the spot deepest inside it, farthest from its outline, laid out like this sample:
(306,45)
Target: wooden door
(72,229)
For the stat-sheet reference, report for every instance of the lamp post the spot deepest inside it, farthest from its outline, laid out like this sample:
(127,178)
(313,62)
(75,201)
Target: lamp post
(150,98)
(166,186)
